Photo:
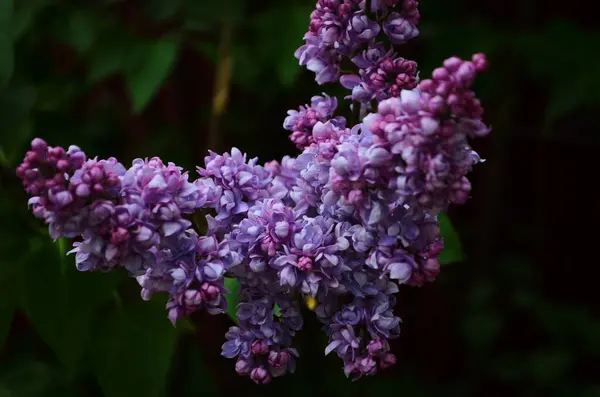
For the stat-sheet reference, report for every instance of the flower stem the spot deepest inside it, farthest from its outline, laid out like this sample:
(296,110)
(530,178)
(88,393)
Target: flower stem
(222,80)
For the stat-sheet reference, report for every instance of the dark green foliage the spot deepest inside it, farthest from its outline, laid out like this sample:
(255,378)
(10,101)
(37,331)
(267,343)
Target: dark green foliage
(452,247)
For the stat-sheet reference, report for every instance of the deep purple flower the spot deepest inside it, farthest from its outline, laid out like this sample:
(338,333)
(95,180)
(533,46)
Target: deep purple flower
(361,28)
(97,177)
(398,29)
(240,182)
(382,77)
(260,375)
(371,56)
(239,343)
(301,122)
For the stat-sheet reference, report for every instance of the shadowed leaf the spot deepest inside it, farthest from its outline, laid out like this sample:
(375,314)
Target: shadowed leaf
(452,247)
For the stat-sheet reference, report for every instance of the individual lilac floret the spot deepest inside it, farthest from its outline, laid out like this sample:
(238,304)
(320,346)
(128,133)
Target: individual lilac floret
(284,175)
(269,226)
(361,28)
(314,165)
(313,260)
(398,29)
(240,182)
(301,122)
(317,58)
(383,76)
(98,178)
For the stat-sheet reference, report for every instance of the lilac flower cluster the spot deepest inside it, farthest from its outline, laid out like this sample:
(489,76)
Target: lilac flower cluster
(345,223)
(341,30)
(136,218)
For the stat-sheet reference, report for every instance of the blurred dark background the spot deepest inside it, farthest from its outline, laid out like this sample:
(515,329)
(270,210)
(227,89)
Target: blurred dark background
(518,315)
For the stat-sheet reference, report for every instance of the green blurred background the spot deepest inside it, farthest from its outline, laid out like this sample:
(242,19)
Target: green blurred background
(515,314)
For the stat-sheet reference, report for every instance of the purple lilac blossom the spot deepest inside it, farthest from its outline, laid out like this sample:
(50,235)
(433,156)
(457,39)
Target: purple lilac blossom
(359,331)
(45,173)
(301,122)
(385,77)
(426,132)
(239,182)
(261,342)
(398,29)
(345,223)
(133,218)
(336,29)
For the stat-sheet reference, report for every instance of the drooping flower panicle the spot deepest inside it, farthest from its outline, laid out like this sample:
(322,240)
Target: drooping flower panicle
(345,223)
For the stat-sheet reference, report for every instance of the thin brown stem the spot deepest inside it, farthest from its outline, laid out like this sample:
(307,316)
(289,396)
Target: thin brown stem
(222,79)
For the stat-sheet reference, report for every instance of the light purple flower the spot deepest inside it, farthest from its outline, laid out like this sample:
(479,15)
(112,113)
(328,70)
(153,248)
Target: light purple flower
(361,28)
(398,29)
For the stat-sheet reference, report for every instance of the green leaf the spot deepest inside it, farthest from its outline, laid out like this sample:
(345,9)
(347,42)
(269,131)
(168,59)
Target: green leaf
(108,54)
(24,15)
(452,248)
(233,286)
(287,64)
(133,350)
(148,70)
(61,302)
(279,32)
(6,45)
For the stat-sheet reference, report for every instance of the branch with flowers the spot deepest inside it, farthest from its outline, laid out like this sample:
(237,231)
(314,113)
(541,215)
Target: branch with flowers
(343,224)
